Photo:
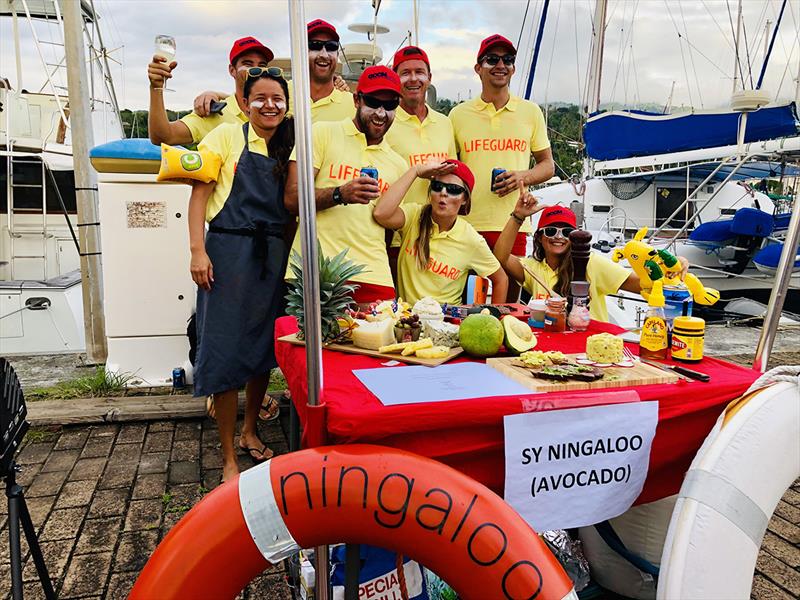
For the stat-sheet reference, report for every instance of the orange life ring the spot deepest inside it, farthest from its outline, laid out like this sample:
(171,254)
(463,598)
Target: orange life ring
(357,494)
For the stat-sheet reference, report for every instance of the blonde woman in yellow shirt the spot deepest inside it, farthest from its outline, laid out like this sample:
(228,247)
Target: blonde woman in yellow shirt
(438,248)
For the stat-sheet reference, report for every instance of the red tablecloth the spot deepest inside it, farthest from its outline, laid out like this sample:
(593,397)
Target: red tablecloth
(468,434)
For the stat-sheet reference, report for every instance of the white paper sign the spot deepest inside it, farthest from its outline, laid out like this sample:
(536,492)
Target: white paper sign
(577,467)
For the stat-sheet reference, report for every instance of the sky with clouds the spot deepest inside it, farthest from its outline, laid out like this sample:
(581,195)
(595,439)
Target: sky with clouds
(644,54)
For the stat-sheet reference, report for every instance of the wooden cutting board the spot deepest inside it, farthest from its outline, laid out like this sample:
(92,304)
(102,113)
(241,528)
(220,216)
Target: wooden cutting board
(614,377)
(351,349)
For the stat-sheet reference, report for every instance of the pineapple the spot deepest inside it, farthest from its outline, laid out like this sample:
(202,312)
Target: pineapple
(335,293)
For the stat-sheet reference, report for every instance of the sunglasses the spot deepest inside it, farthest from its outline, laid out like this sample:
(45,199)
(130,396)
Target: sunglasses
(255,72)
(453,189)
(376,103)
(493,59)
(317,45)
(552,232)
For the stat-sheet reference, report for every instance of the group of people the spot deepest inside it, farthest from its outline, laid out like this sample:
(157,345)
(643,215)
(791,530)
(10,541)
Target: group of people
(450,198)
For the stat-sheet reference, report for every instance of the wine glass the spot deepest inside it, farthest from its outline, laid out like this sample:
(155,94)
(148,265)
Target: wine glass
(165,48)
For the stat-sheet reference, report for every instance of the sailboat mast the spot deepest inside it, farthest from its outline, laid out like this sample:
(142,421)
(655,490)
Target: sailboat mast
(85,185)
(592,101)
(736,52)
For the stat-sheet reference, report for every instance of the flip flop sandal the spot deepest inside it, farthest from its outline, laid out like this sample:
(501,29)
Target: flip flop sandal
(258,455)
(210,410)
(270,410)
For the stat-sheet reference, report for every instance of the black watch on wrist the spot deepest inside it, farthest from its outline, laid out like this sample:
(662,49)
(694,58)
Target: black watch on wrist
(337,196)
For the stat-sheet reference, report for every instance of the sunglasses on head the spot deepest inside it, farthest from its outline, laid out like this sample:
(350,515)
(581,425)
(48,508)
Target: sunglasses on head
(376,103)
(493,59)
(329,45)
(254,72)
(453,189)
(552,232)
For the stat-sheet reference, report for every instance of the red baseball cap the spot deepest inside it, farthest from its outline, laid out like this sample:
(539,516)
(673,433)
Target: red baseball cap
(410,53)
(495,40)
(246,44)
(318,26)
(557,214)
(377,79)
(463,172)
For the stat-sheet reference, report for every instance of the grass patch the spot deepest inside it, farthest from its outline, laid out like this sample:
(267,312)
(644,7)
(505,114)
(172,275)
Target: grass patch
(100,383)
(35,435)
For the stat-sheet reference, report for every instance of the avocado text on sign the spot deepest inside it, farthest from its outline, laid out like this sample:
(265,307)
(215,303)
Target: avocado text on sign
(576,467)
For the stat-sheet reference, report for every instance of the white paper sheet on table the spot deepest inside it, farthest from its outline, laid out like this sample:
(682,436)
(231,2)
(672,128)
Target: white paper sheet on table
(412,385)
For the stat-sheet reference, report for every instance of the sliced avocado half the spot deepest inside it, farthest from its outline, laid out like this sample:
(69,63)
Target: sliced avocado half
(518,337)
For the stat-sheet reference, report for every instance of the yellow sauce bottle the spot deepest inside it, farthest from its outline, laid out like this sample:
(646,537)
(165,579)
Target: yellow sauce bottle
(653,340)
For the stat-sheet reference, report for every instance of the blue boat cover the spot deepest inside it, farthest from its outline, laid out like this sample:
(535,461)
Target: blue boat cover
(746,221)
(133,148)
(620,134)
(771,255)
(713,232)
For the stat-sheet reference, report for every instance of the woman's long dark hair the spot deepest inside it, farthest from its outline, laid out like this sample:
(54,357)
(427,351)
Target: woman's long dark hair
(281,143)
(422,245)
(564,270)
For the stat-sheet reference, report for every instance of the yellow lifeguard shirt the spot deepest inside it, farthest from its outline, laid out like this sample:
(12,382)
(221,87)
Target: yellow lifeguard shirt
(336,106)
(605,277)
(419,142)
(452,255)
(200,127)
(487,139)
(340,151)
(227,142)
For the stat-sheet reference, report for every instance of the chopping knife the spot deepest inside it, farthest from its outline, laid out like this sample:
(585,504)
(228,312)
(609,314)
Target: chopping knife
(680,370)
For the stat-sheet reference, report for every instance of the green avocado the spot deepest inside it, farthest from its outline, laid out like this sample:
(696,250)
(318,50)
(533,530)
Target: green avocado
(517,336)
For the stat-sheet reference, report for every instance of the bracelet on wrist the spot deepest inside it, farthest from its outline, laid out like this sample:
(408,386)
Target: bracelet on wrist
(519,220)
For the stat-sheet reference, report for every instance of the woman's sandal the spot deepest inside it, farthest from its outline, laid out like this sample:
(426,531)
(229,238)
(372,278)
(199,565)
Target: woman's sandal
(270,409)
(210,410)
(258,455)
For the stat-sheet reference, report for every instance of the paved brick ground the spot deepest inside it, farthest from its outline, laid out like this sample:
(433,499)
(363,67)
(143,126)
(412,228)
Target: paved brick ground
(102,497)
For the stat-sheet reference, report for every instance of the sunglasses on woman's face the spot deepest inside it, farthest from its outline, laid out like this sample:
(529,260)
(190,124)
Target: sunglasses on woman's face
(254,72)
(552,232)
(452,189)
(317,45)
(493,59)
(376,103)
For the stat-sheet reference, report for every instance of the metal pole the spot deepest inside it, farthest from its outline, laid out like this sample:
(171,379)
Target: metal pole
(736,66)
(308,237)
(94,323)
(778,295)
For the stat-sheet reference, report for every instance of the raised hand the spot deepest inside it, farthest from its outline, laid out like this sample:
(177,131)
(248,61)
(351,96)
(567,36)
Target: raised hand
(527,203)
(202,104)
(430,170)
(361,190)
(158,71)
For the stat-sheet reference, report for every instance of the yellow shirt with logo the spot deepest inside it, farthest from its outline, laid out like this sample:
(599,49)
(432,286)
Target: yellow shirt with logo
(486,139)
(227,142)
(336,106)
(340,151)
(605,277)
(452,255)
(200,127)
(419,142)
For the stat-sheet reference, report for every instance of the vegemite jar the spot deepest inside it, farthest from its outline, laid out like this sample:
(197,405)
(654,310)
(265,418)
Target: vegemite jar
(688,334)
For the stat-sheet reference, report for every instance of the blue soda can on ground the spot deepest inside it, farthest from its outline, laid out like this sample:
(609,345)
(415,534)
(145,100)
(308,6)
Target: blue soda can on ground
(495,172)
(370,172)
(178,377)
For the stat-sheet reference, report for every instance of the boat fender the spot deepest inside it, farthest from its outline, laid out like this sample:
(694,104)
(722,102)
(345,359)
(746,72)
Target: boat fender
(358,494)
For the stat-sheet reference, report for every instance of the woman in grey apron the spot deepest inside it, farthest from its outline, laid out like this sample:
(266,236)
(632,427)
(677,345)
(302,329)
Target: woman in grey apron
(239,266)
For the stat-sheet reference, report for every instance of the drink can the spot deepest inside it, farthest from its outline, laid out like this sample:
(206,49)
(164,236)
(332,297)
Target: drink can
(495,172)
(370,172)
(178,377)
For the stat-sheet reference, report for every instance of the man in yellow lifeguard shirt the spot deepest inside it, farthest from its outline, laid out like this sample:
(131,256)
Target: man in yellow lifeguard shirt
(245,53)
(331,99)
(344,197)
(419,134)
(500,130)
